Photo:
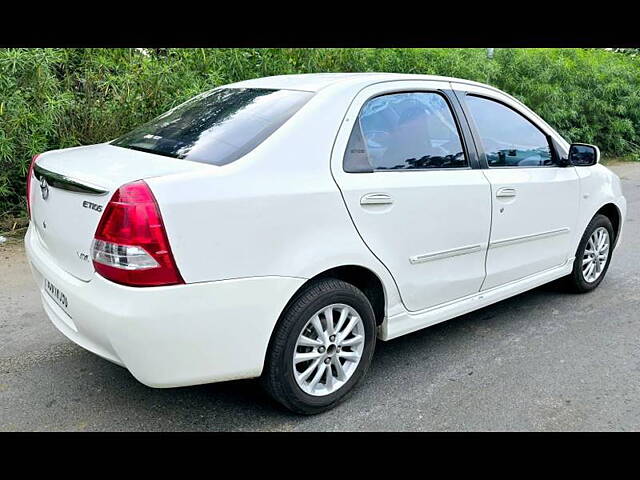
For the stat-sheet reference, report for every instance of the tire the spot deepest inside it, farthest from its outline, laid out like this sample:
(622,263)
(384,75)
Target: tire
(312,301)
(576,280)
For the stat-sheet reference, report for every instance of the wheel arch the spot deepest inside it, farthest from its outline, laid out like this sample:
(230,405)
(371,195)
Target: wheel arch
(365,280)
(360,277)
(612,212)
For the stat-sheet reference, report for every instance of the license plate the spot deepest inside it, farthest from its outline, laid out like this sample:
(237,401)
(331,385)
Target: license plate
(56,294)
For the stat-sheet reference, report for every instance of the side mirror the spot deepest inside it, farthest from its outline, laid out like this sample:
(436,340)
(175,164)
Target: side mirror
(583,155)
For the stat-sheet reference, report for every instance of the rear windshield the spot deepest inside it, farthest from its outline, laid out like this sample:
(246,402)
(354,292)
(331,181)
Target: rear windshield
(216,127)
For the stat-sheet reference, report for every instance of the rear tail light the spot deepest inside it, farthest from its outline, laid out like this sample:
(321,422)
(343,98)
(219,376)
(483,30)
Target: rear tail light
(29,175)
(131,245)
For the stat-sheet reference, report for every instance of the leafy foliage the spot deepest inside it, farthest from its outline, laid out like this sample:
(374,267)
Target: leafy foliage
(58,98)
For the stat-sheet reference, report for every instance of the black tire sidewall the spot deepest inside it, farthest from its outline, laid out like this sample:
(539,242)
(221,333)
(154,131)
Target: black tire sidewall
(577,276)
(296,398)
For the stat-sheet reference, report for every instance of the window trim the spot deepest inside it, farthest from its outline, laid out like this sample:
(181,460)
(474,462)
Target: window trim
(462,134)
(461,95)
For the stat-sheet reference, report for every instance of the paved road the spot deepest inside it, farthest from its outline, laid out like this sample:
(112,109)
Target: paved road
(540,361)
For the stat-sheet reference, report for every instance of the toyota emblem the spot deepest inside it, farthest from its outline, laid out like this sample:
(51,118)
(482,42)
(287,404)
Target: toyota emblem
(44,188)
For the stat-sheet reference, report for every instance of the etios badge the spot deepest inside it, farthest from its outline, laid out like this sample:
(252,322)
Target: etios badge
(44,188)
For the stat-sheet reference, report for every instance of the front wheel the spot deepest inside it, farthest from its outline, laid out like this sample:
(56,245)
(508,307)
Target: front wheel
(593,256)
(321,348)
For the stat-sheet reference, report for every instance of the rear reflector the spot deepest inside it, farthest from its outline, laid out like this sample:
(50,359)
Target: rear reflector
(131,245)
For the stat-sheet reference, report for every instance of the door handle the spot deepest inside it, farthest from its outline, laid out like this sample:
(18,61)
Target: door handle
(506,192)
(376,199)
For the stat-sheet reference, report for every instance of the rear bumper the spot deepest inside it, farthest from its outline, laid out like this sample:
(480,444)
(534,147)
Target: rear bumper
(167,336)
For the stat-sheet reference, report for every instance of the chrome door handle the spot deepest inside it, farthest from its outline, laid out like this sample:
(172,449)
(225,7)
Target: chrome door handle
(506,193)
(376,199)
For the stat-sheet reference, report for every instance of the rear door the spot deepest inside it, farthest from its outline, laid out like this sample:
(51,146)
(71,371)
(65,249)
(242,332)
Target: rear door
(414,191)
(535,199)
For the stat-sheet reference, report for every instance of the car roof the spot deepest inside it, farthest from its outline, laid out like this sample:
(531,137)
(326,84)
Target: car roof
(313,82)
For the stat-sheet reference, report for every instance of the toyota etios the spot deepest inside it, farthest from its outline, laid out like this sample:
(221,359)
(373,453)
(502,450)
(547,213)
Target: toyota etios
(276,227)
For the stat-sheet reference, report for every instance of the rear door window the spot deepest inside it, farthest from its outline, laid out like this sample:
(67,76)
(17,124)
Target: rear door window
(405,131)
(217,127)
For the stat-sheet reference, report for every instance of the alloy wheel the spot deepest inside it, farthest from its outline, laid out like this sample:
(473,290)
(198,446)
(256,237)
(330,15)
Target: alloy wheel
(595,255)
(328,349)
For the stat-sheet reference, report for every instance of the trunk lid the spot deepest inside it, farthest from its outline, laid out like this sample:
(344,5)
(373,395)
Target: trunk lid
(78,184)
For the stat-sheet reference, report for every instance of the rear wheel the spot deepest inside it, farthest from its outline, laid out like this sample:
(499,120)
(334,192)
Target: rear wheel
(593,256)
(321,348)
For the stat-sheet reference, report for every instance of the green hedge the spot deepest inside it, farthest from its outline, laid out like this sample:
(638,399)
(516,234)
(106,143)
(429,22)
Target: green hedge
(57,98)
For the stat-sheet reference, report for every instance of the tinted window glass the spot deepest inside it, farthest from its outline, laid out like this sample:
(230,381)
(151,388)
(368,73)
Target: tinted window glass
(509,139)
(216,127)
(404,131)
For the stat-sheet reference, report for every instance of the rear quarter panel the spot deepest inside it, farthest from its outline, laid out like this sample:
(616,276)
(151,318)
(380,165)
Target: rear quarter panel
(275,212)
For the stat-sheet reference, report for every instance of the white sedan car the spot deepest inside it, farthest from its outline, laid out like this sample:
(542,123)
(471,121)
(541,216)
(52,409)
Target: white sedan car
(276,227)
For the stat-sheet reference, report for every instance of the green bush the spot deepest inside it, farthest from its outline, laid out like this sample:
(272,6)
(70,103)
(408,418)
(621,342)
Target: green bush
(57,98)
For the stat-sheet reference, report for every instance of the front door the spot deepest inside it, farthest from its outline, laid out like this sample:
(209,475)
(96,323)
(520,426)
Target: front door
(535,200)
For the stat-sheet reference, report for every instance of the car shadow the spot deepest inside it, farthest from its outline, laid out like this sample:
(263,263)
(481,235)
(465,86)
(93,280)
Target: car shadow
(104,396)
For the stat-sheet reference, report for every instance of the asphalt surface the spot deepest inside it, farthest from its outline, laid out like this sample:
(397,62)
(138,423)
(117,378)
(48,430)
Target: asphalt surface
(540,361)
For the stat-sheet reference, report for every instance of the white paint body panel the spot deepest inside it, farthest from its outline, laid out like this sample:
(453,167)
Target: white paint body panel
(598,186)
(531,231)
(168,336)
(433,212)
(69,226)
(433,215)
(248,235)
